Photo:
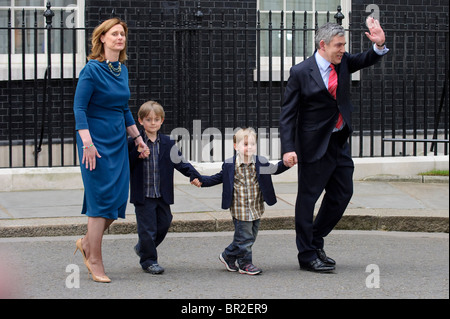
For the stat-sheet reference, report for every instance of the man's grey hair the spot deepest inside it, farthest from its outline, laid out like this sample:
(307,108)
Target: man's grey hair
(327,32)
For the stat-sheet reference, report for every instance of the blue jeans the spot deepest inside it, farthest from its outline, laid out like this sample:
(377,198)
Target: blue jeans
(240,249)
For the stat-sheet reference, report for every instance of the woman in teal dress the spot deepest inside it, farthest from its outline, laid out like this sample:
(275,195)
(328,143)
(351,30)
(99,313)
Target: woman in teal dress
(102,121)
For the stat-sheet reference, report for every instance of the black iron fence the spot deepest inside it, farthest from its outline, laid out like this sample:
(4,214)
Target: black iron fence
(216,71)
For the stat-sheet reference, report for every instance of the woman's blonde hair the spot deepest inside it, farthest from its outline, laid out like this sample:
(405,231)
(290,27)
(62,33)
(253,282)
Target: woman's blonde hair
(97,50)
(149,106)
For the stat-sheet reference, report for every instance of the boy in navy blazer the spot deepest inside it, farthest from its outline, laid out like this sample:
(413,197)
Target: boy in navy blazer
(247,184)
(151,184)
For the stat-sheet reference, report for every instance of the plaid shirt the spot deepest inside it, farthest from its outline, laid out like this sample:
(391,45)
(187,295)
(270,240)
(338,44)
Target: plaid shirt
(248,203)
(151,169)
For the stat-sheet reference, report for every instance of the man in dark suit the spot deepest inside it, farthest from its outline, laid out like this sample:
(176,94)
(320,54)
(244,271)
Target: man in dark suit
(315,124)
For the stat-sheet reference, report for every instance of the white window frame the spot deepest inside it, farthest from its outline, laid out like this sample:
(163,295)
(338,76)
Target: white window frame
(346,6)
(16,58)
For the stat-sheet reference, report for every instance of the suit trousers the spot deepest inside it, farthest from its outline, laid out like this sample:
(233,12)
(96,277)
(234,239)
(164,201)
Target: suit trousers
(153,221)
(333,173)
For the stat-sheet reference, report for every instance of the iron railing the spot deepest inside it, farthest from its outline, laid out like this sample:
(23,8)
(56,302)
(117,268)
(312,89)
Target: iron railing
(214,72)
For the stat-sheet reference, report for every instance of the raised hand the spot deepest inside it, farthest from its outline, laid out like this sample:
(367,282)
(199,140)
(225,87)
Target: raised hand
(376,33)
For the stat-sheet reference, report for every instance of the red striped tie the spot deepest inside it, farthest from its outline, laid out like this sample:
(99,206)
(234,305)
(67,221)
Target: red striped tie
(332,88)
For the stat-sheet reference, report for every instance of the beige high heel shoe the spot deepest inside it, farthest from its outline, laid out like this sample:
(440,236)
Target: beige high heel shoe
(88,266)
(80,248)
(104,279)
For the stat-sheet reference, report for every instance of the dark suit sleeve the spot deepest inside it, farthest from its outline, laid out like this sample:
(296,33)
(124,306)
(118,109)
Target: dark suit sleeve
(289,113)
(271,169)
(212,180)
(280,168)
(362,60)
(133,154)
(215,179)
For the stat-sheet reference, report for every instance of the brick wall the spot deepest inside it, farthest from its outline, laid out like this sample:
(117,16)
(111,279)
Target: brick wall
(412,82)
(188,82)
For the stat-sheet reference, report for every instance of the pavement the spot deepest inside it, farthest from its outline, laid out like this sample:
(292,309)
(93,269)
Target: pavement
(370,265)
(379,203)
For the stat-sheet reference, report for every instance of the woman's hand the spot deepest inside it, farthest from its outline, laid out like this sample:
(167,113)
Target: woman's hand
(143,149)
(90,155)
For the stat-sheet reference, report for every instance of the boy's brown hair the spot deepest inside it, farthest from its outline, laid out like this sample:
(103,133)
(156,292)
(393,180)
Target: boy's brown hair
(149,106)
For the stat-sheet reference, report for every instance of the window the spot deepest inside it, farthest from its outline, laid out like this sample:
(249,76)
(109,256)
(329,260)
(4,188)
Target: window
(28,37)
(295,46)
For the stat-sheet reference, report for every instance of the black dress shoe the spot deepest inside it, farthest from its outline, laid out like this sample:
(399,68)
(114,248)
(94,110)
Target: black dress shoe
(316,265)
(326,260)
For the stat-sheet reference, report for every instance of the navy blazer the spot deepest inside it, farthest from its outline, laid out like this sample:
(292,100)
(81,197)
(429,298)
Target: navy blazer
(310,113)
(264,170)
(166,169)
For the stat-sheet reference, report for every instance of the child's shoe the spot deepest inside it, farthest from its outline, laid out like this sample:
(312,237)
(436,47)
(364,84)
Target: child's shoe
(154,269)
(250,269)
(230,264)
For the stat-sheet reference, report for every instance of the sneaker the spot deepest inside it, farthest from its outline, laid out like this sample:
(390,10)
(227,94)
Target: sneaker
(250,269)
(231,265)
(154,269)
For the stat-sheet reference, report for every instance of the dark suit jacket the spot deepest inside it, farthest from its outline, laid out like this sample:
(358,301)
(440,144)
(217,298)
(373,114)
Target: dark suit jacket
(309,113)
(166,169)
(264,170)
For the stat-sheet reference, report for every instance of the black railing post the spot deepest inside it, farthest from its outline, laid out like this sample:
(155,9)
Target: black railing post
(61,84)
(35,89)
(49,14)
(199,15)
(23,91)
(305,33)
(258,68)
(339,16)
(10,30)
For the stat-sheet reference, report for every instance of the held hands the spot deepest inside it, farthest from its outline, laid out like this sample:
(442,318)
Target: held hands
(143,150)
(376,33)
(196,182)
(290,159)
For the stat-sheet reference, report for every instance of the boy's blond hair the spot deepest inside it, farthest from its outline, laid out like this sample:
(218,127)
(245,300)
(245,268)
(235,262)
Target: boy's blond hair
(242,133)
(149,106)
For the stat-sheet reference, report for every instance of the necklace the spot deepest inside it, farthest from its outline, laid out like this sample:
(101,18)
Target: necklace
(113,70)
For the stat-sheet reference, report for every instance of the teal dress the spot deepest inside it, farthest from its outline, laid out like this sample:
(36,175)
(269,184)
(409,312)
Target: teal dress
(101,105)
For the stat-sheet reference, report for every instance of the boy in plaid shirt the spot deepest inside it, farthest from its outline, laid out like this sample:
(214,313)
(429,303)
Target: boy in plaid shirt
(247,184)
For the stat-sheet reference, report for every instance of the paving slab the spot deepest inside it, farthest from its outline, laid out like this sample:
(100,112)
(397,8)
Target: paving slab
(376,204)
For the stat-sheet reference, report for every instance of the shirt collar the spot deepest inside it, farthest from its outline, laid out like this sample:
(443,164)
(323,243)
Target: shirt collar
(240,163)
(146,139)
(323,64)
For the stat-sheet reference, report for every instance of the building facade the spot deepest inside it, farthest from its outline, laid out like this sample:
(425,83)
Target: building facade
(219,65)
